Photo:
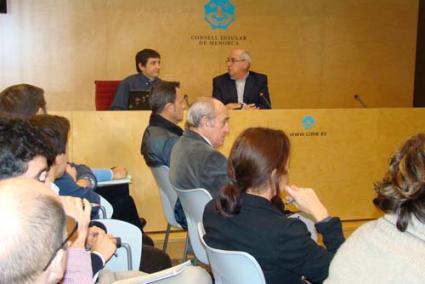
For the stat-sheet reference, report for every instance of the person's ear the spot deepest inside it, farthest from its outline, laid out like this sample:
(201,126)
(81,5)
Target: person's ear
(57,160)
(56,269)
(204,122)
(141,67)
(273,181)
(169,107)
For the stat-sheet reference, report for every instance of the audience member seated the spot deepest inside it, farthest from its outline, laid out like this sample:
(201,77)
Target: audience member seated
(390,249)
(23,150)
(56,129)
(195,161)
(242,217)
(241,88)
(29,160)
(32,253)
(23,101)
(167,105)
(32,159)
(148,65)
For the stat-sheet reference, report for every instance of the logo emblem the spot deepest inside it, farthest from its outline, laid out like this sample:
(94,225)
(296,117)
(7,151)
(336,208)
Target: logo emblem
(308,122)
(219,13)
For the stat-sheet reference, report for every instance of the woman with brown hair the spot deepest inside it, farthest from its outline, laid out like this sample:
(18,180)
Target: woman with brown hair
(244,218)
(390,249)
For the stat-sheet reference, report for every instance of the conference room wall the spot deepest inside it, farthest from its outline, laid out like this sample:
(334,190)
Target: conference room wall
(317,54)
(341,155)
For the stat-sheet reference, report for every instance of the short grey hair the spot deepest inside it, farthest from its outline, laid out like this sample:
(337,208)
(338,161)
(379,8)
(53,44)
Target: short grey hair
(25,251)
(202,107)
(246,56)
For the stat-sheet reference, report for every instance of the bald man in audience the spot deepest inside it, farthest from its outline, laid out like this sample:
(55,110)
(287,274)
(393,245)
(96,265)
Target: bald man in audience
(195,161)
(34,235)
(241,88)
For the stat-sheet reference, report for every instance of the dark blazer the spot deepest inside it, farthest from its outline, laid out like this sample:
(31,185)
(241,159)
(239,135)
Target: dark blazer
(195,163)
(282,246)
(158,141)
(224,89)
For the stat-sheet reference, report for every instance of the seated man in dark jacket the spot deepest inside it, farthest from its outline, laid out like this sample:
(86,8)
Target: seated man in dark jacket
(167,105)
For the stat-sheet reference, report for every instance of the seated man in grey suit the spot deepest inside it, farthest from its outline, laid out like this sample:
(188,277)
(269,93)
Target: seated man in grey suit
(195,162)
(241,88)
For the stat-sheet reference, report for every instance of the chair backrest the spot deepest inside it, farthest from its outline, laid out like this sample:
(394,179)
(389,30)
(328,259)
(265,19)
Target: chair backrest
(193,202)
(106,208)
(105,93)
(232,267)
(128,256)
(167,193)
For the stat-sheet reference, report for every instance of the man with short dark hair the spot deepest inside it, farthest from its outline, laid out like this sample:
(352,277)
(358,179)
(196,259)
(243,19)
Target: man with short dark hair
(23,150)
(55,129)
(148,65)
(167,105)
(23,101)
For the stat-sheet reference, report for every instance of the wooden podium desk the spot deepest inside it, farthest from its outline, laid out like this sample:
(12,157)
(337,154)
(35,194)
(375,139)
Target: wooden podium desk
(338,152)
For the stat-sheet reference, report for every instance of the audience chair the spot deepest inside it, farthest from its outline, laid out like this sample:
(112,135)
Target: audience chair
(193,202)
(128,255)
(105,93)
(168,199)
(232,267)
(106,209)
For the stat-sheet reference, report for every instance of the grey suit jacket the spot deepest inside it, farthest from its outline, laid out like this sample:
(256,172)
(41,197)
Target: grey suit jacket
(195,163)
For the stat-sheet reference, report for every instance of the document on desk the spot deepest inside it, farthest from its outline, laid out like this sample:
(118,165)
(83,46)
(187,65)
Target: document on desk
(163,274)
(125,180)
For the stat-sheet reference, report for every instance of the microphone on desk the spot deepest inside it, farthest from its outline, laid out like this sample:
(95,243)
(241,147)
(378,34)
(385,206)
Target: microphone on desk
(359,99)
(265,100)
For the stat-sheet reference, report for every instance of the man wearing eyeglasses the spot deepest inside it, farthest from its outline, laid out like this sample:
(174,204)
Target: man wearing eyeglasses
(35,233)
(241,88)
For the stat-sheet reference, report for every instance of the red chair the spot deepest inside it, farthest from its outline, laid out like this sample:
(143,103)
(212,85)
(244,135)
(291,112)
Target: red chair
(105,93)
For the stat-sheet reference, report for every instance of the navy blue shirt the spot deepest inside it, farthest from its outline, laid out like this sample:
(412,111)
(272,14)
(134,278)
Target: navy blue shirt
(135,82)
(68,187)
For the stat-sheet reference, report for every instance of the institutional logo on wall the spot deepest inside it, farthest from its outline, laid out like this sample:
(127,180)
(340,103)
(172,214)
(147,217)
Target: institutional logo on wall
(219,13)
(308,122)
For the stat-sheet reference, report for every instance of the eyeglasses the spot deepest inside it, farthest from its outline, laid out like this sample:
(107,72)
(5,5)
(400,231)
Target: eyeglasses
(71,228)
(233,60)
